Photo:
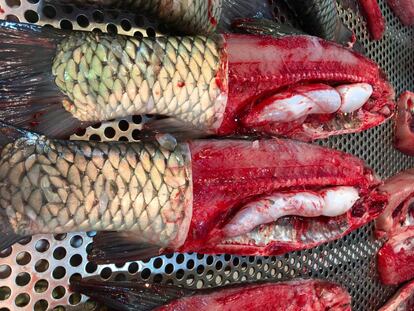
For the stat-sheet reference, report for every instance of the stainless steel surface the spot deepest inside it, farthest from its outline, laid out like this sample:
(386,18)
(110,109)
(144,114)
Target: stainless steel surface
(35,275)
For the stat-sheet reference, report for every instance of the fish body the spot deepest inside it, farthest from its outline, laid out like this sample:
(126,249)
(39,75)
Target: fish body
(404,9)
(303,295)
(398,212)
(181,197)
(217,84)
(404,136)
(395,260)
(402,300)
(374,18)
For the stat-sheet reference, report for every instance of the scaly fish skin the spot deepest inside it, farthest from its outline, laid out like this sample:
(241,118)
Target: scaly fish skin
(106,77)
(61,186)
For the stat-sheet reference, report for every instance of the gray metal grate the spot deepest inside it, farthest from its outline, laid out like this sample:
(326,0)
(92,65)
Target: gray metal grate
(34,274)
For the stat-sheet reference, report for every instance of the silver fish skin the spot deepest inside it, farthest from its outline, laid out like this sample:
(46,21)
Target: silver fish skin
(51,186)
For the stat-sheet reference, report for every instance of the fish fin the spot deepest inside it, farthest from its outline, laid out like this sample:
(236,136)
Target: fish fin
(180,130)
(130,296)
(29,97)
(120,247)
(258,26)
(235,9)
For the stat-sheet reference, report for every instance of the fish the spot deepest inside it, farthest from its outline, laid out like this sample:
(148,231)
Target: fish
(403,133)
(398,213)
(302,87)
(320,18)
(404,10)
(299,294)
(402,300)
(373,16)
(396,225)
(166,195)
(395,259)
(186,17)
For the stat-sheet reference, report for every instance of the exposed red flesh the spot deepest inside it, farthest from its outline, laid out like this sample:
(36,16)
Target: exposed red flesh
(296,295)
(293,296)
(404,135)
(228,175)
(400,189)
(375,19)
(403,300)
(262,66)
(404,9)
(396,258)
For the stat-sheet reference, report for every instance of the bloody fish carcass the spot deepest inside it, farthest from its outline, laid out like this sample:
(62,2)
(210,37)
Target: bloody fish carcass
(295,86)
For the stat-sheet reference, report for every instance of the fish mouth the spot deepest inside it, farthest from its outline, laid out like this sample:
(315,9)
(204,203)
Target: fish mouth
(304,87)
(291,233)
(313,118)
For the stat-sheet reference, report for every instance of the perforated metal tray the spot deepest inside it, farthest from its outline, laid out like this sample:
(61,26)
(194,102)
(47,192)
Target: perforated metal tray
(34,274)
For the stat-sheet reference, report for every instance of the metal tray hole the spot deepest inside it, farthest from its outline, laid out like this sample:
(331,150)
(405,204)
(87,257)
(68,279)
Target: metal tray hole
(42,245)
(22,279)
(76,241)
(23,258)
(133,268)
(59,272)
(74,299)
(5,292)
(31,16)
(49,11)
(75,260)
(106,273)
(41,305)
(59,253)
(41,265)
(75,277)
(13,3)
(58,292)
(41,286)
(22,300)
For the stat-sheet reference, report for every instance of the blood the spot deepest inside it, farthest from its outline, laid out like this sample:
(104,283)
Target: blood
(181,84)
(1,10)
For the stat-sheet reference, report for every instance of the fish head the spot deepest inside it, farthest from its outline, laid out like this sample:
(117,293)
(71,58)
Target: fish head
(403,124)
(252,172)
(262,67)
(399,211)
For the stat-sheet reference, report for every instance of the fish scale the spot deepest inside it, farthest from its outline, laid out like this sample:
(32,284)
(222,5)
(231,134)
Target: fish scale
(61,186)
(108,77)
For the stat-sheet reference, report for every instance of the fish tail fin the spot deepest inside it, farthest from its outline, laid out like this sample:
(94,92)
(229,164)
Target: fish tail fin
(130,296)
(235,9)
(120,247)
(29,97)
